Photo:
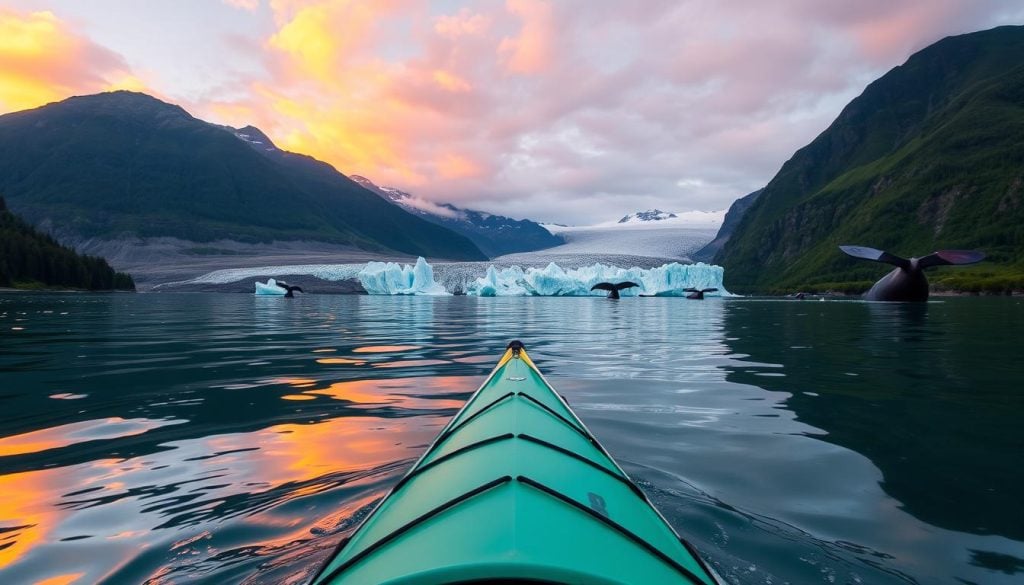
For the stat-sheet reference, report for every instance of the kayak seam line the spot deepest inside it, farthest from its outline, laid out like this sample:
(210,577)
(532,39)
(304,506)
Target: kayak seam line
(463,423)
(415,472)
(412,524)
(693,577)
(469,402)
(564,420)
(437,441)
(625,480)
(696,556)
(565,403)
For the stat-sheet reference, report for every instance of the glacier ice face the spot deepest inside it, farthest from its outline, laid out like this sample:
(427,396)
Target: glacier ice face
(389,278)
(665,280)
(380,278)
(269,289)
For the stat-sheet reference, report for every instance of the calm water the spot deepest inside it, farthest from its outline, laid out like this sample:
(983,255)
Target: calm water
(173,438)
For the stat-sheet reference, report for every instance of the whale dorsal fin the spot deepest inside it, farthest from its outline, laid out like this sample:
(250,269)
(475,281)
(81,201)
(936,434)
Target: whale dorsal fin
(951,257)
(865,253)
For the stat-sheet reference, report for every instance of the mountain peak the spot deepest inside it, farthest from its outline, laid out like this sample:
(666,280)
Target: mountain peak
(124,164)
(123,102)
(255,137)
(649,215)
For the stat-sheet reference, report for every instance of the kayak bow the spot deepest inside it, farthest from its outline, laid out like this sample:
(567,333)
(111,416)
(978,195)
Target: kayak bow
(515,489)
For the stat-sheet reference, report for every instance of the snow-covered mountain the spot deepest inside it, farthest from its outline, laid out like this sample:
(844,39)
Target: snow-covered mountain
(495,235)
(646,216)
(654,218)
(653,234)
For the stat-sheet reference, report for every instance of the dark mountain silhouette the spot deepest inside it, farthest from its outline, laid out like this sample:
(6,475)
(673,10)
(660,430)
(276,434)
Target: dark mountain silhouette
(125,164)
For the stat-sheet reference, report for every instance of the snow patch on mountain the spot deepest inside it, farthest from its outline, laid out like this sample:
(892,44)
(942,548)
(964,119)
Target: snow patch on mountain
(495,235)
(649,215)
(254,136)
(408,200)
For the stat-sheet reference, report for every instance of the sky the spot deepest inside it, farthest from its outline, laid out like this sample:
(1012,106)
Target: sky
(573,111)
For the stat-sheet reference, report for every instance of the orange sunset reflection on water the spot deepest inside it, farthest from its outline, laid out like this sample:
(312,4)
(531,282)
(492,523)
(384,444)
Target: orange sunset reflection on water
(385,348)
(411,393)
(73,433)
(163,502)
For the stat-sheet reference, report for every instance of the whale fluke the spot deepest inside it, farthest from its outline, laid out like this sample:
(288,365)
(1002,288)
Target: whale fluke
(908,282)
(291,289)
(613,289)
(698,294)
(951,258)
(865,253)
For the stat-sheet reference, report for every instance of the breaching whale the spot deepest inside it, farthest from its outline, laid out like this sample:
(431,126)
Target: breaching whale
(613,289)
(908,282)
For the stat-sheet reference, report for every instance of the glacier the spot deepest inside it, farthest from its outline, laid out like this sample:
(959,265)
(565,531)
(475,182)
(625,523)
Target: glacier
(389,278)
(552,280)
(489,280)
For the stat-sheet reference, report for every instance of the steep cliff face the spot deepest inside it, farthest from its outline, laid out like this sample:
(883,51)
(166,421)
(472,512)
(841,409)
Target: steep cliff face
(732,219)
(928,156)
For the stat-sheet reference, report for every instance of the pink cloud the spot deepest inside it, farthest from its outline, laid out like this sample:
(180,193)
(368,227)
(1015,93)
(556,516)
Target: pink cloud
(243,4)
(563,103)
(530,51)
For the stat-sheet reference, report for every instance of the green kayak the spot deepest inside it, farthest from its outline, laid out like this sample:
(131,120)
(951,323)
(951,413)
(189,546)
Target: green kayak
(515,489)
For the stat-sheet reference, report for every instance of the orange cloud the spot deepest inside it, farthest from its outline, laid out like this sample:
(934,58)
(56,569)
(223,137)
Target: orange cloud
(450,82)
(335,94)
(43,60)
(454,166)
(325,39)
(530,52)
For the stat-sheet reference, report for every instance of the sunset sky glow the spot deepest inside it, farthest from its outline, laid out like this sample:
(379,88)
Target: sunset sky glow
(558,110)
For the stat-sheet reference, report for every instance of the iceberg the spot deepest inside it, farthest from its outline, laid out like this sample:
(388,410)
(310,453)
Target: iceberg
(269,289)
(553,280)
(389,278)
(472,278)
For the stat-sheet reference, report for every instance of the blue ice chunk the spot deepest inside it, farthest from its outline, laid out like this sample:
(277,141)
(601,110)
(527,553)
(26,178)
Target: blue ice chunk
(270,289)
(389,278)
(553,280)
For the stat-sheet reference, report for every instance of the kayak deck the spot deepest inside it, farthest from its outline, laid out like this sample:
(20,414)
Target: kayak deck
(515,488)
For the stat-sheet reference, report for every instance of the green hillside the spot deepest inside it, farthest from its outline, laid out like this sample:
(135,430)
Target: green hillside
(29,259)
(124,164)
(928,157)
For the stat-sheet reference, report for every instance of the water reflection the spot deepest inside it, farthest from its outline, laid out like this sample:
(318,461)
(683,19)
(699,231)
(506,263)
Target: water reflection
(229,438)
(921,390)
(78,432)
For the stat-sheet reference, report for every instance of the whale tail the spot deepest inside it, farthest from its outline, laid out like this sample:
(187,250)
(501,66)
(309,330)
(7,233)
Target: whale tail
(940,258)
(291,289)
(698,293)
(865,253)
(613,288)
(950,258)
